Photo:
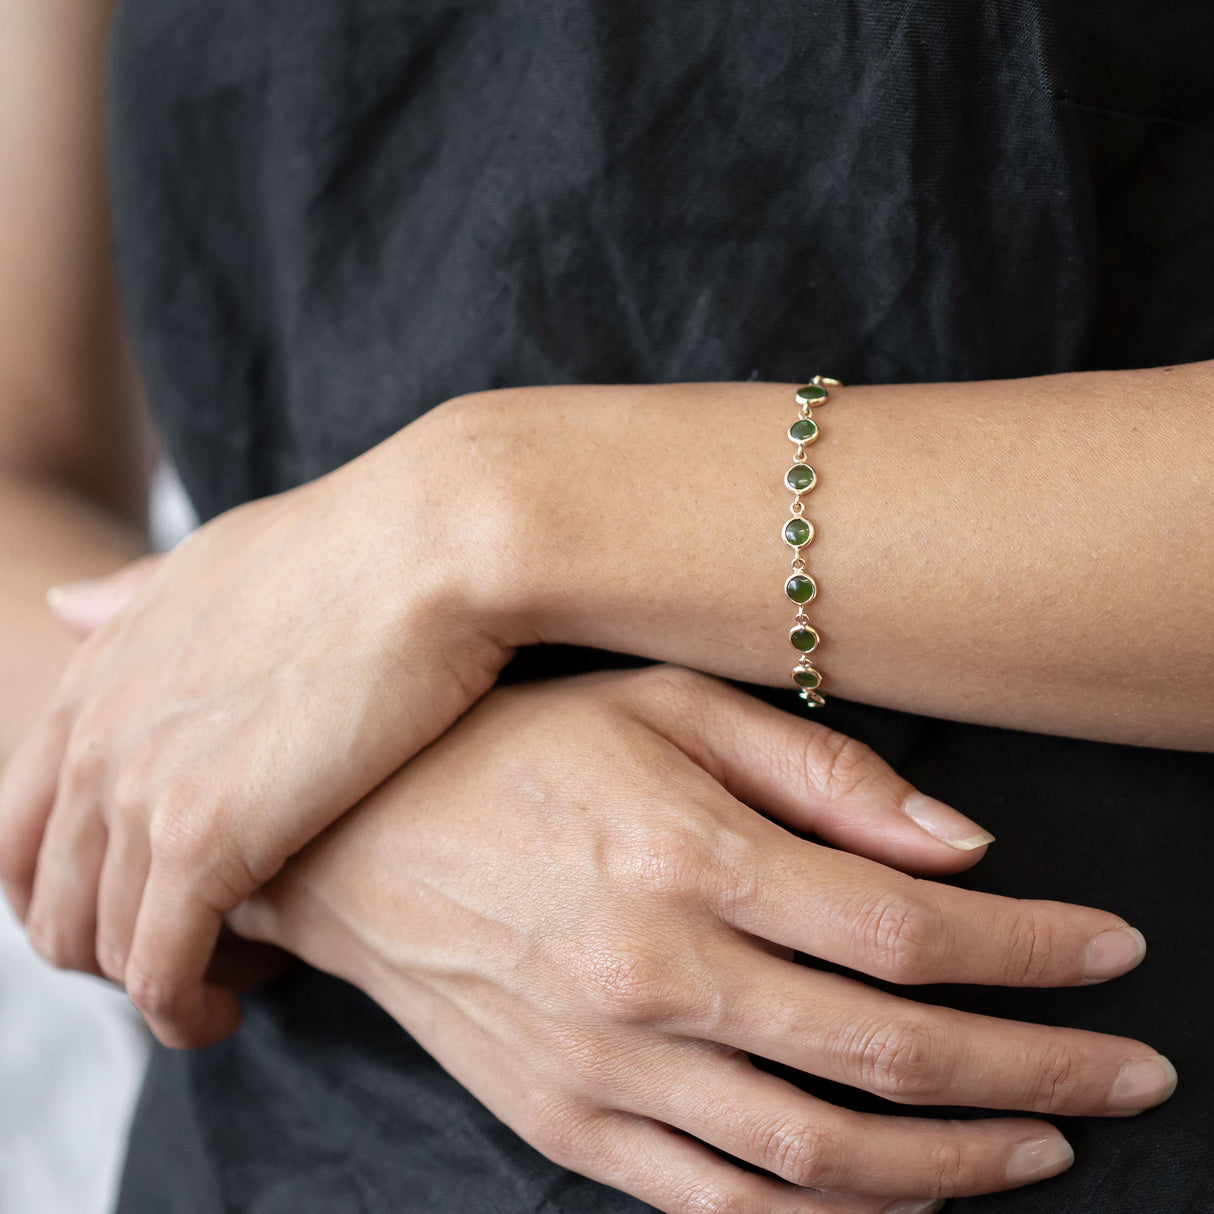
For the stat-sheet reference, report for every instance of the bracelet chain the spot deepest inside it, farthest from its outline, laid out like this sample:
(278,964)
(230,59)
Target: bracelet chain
(800,588)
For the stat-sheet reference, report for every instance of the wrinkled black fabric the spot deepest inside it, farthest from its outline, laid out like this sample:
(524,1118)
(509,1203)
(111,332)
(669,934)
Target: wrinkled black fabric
(332,215)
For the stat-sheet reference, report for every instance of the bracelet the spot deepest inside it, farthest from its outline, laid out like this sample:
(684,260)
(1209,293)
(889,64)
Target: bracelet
(800,588)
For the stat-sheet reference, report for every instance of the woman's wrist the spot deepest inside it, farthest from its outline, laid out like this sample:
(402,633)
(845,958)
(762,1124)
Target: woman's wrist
(426,500)
(617,520)
(973,540)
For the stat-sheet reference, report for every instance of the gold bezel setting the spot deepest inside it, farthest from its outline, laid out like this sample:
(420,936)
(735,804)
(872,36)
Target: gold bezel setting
(811,437)
(801,577)
(811,396)
(800,466)
(804,628)
(809,538)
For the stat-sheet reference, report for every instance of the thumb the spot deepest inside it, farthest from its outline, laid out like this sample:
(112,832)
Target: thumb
(86,605)
(820,782)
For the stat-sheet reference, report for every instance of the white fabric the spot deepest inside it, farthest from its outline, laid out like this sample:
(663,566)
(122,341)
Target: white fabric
(72,1052)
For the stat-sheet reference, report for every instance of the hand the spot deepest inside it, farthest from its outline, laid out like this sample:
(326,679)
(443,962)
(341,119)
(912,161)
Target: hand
(568,903)
(261,678)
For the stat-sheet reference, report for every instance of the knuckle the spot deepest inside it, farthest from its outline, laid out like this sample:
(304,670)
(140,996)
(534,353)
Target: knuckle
(1031,950)
(710,1197)
(178,839)
(150,993)
(187,823)
(669,860)
(187,832)
(57,946)
(1058,1081)
(193,832)
(947,1169)
(629,986)
(900,937)
(840,765)
(795,1152)
(552,1128)
(204,857)
(111,960)
(901,1061)
(228,875)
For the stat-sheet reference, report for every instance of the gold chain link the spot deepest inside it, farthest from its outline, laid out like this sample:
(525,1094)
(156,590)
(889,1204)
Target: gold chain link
(800,588)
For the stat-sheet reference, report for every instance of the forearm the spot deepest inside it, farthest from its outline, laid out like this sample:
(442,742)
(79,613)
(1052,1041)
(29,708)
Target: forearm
(1030,553)
(71,430)
(47,536)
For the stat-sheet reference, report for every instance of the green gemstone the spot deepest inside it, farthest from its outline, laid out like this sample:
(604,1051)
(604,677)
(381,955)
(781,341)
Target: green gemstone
(804,639)
(797,532)
(811,394)
(807,677)
(804,430)
(800,588)
(800,477)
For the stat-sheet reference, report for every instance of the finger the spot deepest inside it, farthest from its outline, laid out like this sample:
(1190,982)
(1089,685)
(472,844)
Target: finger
(62,915)
(124,874)
(174,939)
(839,1029)
(806,1141)
(27,794)
(854,912)
(677,1175)
(86,605)
(821,782)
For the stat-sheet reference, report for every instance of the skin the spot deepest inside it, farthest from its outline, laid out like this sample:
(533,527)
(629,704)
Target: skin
(984,551)
(124,803)
(142,808)
(74,452)
(597,976)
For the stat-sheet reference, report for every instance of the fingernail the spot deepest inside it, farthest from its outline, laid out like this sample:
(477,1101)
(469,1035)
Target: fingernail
(87,604)
(914,1207)
(1141,1084)
(1039,1158)
(945,823)
(87,596)
(1113,952)
(58,596)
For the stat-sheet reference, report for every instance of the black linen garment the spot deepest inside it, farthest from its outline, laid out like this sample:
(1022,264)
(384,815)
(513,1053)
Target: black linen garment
(332,215)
